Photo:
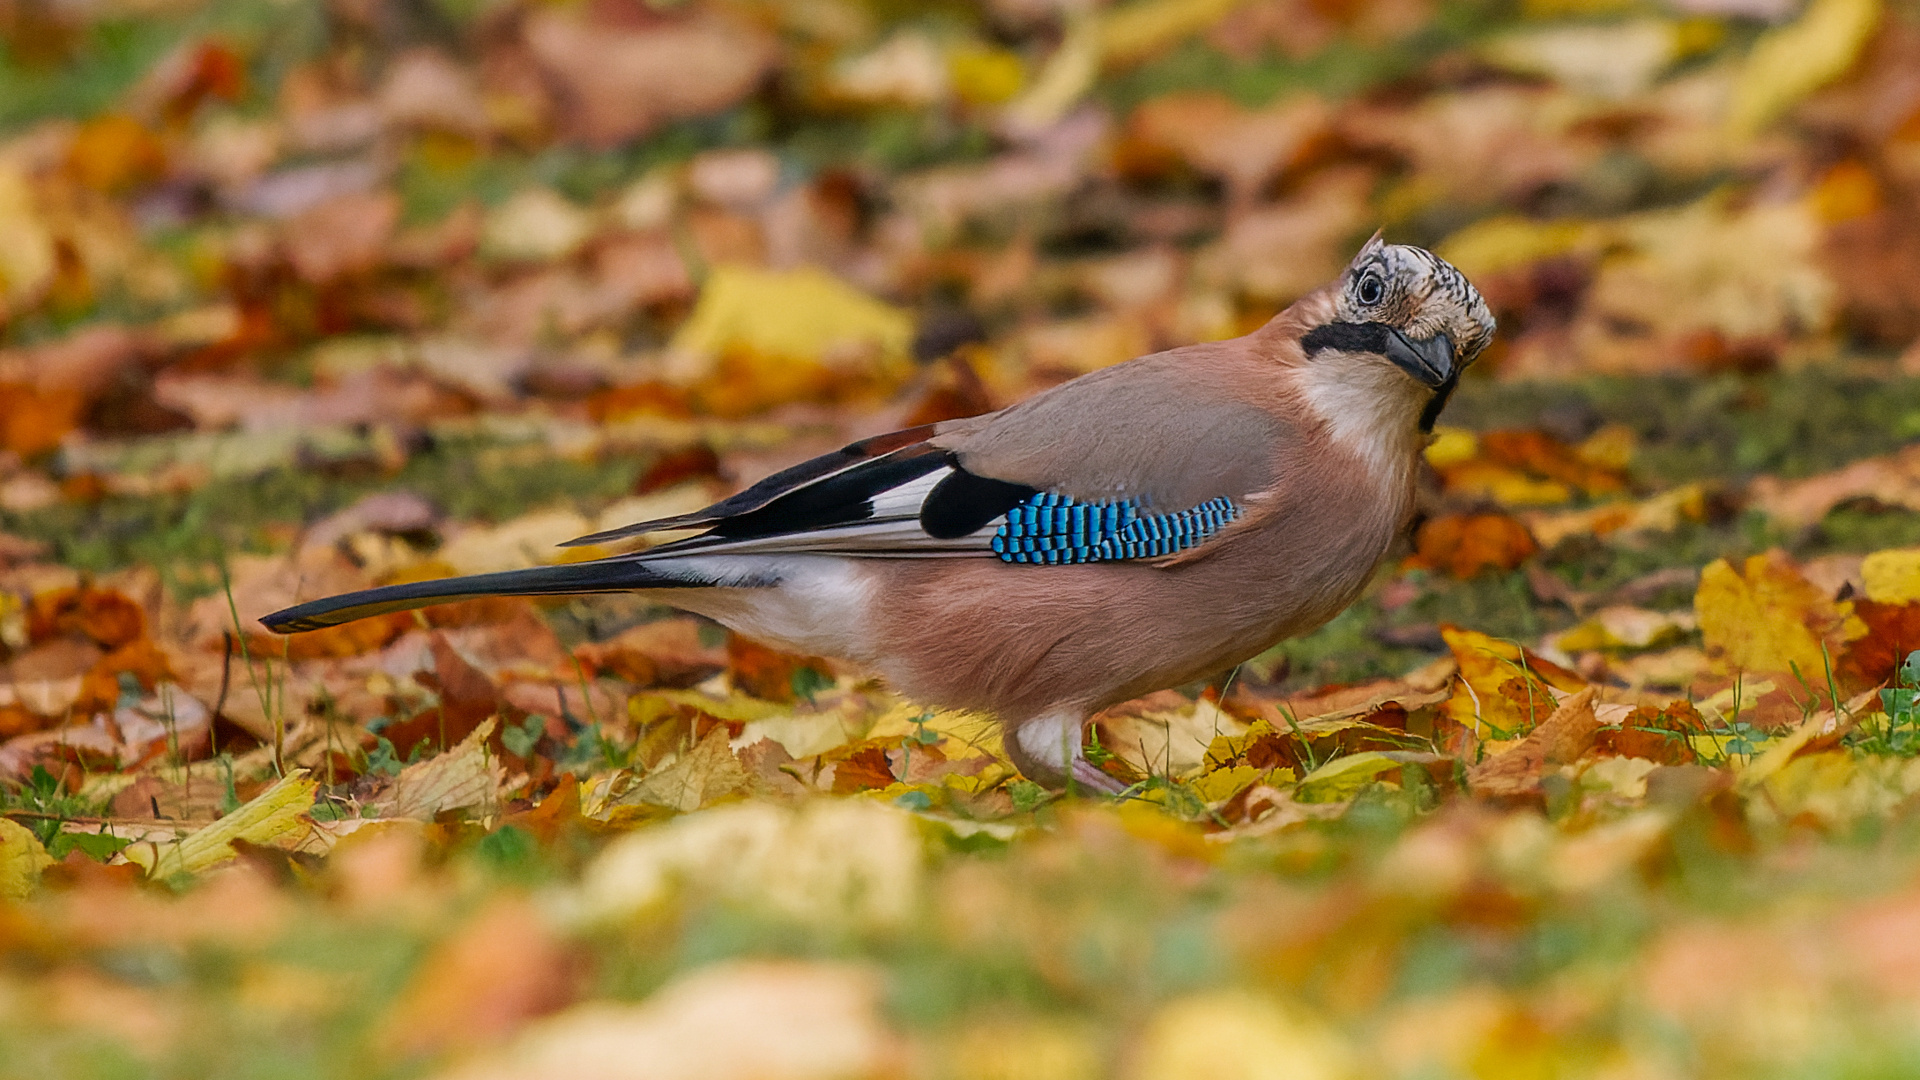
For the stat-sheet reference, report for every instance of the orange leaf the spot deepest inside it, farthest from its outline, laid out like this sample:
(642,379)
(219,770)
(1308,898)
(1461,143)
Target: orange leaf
(114,152)
(765,673)
(1893,631)
(866,769)
(33,421)
(1562,738)
(108,618)
(1465,544)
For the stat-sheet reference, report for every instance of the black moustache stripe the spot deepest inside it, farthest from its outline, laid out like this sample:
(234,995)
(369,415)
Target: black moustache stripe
(1347,337)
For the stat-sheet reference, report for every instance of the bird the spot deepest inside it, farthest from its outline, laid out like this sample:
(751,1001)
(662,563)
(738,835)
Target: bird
(1139,527)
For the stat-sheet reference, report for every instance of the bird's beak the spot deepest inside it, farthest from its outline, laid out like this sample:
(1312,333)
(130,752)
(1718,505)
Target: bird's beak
(1429,360)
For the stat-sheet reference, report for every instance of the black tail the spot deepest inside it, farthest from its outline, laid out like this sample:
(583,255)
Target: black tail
(599,576)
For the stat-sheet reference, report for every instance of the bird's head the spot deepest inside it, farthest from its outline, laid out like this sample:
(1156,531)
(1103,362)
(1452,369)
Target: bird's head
(1408,307)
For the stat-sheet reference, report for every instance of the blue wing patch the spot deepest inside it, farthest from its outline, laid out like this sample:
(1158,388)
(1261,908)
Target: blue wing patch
(1049,530)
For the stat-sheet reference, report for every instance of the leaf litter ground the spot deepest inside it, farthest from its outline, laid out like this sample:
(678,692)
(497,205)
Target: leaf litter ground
(1610,773)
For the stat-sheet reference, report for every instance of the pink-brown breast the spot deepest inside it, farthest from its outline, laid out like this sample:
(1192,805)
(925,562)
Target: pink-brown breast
(1023,640)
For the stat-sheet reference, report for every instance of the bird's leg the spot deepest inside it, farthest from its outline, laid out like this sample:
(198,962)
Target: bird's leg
(1047,750)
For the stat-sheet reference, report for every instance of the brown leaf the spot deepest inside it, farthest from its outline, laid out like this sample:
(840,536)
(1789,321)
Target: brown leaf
(621,79)
(1767,618)
(1561,739)
(107,618)
(1893,631)
(866,769)
(766,673)
(343,236)
(467,698)
(1891,480)
(668,652)
(496,972)
(700,776)
(1656,734)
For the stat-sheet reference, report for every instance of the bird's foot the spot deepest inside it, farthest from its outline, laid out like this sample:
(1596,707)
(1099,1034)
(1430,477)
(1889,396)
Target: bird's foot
(1085,776)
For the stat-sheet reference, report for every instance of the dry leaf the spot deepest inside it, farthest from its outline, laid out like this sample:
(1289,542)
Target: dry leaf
(810,1021)
(1229,1033)
(468,775)
(1790,62)
(850,862)
(701,776)
(488,978)
(1463,545)
(622,81)
(21,861)
(1560,739)
(277,817)
(1766,618)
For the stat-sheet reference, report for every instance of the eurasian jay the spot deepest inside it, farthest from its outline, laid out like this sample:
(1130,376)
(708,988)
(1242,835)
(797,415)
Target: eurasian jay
(1139,527)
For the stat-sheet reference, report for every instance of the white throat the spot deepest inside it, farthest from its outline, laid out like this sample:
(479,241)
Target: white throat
(1370,407)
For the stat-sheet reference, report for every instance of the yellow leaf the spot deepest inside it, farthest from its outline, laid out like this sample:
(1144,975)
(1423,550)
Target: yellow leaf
(1608,61)
(21,860)
(702,775)
(1622,627)
(1769,618)
(1790,62)
(1497,244)
(805,316)
(1452,446)
(274,817)
(1139,30)
(1223,784)
(1892,577)
(1611,447)
(1487,664)
(1069,73)
(1343,777)
(842,860)
(1231,1033)
(467,775)
(27,257)
(985,76)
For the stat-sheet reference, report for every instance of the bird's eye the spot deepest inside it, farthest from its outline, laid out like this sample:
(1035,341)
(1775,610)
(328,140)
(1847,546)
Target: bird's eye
(1371,289)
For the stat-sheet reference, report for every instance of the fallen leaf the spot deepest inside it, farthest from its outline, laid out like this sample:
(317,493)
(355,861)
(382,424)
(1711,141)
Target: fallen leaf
(1792,61)
(1892,577)
(699,777)
(22,858)
(811,1021)
(1502,689)
(1619,627)
(483,982)
(468,775)
(112,152)
(669,652)
(342,236)
(1766,618)
(1343,777)
(536,225)
(1613,61)
(825,861)
(277,817)
(1463,545)
(622,81)
(1891,480)
(1236,1033)
(756,338)
(1560,739)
